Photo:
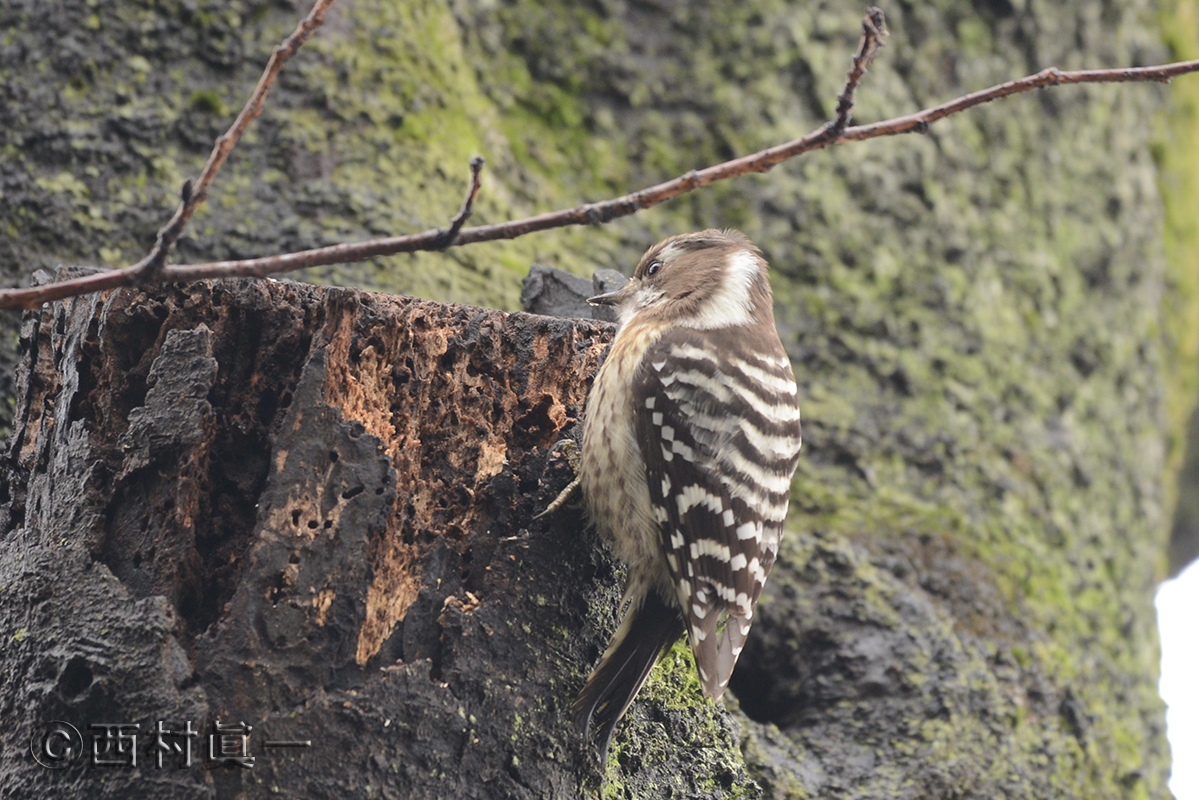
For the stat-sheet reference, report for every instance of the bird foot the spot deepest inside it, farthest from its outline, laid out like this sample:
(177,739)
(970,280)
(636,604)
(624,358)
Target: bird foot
(570,449)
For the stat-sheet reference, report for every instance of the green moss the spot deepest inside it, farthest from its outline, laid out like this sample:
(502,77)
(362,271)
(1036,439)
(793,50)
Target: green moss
(67,183)
(209,102)
(1177,154)
(674,683)
(672,716)
(975,390)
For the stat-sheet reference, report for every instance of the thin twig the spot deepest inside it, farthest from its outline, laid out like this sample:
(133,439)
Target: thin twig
(591,213)
(150,268)
(874,30)
(1052,76)
(448,235)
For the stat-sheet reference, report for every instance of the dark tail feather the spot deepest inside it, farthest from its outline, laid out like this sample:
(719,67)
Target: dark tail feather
(643,635)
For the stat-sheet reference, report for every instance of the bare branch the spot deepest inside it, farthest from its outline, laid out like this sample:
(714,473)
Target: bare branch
(874,30)
(1052,76)
(596,213)
(149,269)
(448,235)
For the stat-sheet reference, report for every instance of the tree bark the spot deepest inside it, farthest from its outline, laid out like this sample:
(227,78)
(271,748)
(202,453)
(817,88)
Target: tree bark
(996,361)
(307,510)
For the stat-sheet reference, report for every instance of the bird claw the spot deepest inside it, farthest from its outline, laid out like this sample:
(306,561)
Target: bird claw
(570,449)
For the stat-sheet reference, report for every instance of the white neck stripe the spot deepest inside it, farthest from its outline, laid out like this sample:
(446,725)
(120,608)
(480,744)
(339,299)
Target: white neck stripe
(731,304)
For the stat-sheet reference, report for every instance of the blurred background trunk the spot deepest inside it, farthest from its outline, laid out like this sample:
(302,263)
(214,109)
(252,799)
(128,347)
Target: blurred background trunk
(993,327)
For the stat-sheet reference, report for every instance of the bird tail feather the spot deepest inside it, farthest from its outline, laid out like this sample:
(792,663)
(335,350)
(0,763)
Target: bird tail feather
(645,633)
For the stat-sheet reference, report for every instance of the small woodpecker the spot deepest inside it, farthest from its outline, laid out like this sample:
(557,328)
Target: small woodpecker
(690,440)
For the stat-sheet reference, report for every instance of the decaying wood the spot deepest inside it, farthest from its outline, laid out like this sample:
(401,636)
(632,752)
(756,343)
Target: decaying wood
(309,510)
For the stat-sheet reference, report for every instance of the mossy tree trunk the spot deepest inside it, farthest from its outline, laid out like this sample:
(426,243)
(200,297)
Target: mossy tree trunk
(995,353)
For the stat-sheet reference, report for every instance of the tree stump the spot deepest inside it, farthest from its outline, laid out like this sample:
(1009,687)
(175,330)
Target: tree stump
(307,510)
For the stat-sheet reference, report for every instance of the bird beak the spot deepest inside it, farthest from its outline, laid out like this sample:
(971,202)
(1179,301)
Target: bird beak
(606,299)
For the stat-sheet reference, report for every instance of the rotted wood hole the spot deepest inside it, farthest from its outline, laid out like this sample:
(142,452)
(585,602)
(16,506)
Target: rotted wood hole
(309,509)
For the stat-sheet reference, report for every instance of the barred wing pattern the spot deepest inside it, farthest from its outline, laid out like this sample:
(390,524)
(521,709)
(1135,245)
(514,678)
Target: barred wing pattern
(717,415)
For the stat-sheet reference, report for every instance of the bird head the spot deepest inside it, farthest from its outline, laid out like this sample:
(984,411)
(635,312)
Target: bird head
(707,279)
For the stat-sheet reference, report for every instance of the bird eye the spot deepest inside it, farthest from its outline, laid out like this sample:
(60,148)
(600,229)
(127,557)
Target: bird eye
(653,268)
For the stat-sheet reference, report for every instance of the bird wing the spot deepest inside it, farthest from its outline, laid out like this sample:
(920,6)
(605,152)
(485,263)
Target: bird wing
(717,415)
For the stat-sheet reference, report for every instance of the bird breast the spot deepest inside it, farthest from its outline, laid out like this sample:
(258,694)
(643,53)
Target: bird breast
(612,471)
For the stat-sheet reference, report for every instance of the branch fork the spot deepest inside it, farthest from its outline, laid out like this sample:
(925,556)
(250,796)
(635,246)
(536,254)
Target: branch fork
(446,236)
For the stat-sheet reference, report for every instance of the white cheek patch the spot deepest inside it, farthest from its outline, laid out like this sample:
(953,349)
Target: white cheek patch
(731,304)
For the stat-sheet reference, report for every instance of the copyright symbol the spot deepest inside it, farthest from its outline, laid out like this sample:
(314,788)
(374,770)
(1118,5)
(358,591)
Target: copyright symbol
(57,746)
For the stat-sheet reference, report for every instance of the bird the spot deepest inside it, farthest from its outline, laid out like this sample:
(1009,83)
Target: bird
(691,436)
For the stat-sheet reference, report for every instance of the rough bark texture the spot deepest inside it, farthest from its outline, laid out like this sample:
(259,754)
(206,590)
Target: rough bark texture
(308,510)
(996,357)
